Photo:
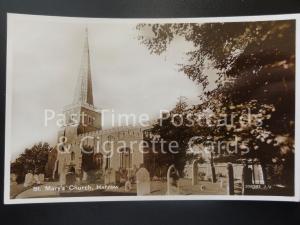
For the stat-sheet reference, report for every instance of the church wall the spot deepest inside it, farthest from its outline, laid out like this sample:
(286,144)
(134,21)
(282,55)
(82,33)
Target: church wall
(118,137)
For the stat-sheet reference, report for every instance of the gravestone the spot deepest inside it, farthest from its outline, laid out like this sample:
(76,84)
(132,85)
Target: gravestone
(172,181)
(13,179)
(221,182)
(70,178)
(28,180)
(84,176)
(41,178)
(195,172)
(62,178)
(230,177)
(36,179)
(128,186)
(207,172)
(142,181)
(258,175)
(246,178)
(118,177)
(110,176)
(91,176)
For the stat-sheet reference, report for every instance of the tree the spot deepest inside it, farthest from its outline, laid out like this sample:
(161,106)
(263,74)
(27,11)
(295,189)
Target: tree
(257,57)
(33,160)
(256,68)
(174,127)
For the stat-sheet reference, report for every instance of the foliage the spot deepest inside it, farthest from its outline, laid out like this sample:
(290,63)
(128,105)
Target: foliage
(168,131)
(254,60)
(33,160)
(255,64)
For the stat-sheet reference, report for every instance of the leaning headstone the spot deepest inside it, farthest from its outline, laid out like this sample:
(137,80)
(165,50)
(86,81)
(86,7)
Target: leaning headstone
(28,180)
(143,181)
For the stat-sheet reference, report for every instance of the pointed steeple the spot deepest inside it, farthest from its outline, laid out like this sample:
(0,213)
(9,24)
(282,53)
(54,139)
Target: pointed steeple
(84,91)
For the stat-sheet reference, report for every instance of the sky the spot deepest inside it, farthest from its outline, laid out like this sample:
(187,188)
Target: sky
(44,57)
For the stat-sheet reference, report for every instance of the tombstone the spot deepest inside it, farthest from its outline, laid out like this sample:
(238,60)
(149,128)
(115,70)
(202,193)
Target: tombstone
(118,177)
(246,177)
(208,172)
(91,176)
(142,181)
(41,178)
(123,176)
(258,176)
(172,181)
(70,178)
(62,178)
(128,186)
(132,173)
(221,183)
(230,177)
(202,187)
(213,169)
(213,174)
(13,179)
(28,180)
(110,176)
(99,176)
(36,179)
(195,172)
(84,176)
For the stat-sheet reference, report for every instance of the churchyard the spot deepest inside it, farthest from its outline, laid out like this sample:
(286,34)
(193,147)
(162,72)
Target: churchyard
(199,179)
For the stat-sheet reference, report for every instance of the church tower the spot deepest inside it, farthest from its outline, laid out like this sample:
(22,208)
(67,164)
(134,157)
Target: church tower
(82,116)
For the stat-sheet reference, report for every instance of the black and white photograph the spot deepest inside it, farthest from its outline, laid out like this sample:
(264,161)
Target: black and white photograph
(151,109)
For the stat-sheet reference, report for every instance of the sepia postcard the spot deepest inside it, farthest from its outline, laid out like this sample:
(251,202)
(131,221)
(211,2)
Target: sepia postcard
(151,109)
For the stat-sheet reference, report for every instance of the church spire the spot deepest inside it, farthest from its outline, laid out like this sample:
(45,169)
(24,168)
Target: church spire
(84,90)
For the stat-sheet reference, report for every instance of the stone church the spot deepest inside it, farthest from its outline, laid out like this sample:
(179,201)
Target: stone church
(83,129)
